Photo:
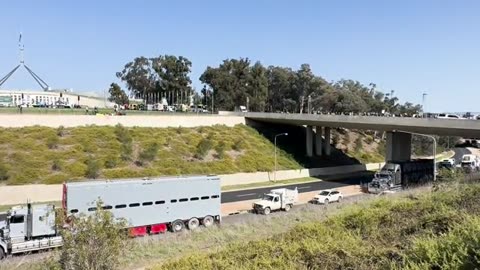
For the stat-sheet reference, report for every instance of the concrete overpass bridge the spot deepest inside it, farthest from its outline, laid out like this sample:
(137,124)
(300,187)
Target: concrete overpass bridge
(398,129)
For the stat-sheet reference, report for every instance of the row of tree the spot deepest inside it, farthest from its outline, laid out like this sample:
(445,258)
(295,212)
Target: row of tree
(238,82)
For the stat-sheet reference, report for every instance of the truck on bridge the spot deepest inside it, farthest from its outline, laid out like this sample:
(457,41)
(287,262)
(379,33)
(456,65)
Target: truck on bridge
(396,175)
(149,206)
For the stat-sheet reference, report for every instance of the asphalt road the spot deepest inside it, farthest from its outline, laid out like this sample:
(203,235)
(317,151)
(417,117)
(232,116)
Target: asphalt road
(326,183)
(459,152)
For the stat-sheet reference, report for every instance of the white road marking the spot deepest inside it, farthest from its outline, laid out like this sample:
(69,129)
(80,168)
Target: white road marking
(304,187)
(248,194)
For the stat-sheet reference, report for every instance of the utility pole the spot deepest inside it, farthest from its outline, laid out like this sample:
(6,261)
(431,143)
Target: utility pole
(423,104)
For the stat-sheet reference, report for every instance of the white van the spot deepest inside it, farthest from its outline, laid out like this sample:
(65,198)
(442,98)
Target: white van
(448,116)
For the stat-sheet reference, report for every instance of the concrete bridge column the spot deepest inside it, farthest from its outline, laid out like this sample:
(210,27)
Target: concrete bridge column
(309,141)
(399,146)
(326,145)
(318,141)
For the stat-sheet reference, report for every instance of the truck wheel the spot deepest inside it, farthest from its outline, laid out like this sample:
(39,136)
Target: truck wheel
(266,211)
(177,226)
(207,221)
(326,201)
(193,224)
(288,207)
(2,254)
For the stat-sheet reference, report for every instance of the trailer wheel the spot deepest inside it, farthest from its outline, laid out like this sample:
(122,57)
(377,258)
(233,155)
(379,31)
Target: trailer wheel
(193,224)
(2,253)
(207,221)
(288,207)
(177,226)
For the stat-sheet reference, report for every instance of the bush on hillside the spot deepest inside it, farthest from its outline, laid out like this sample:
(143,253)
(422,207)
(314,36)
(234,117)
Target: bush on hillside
(358,144)
(52,142)
(148,154)
(203,147)
(3,172)
(60,131)
(124,137)
(93,168)
(111,162)
(56,165)
(220,149)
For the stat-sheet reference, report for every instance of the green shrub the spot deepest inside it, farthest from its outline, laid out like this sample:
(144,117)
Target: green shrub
(148,154)
(60,131)
(3,172)
(203,147)
(220,149)
(111,162)
(52,142)
(358,144)
(76,169)
(57,165)
(93,168)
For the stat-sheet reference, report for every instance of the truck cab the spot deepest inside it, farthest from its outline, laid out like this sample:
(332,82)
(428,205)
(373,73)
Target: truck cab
(27,228)
(387,178)
(276,199)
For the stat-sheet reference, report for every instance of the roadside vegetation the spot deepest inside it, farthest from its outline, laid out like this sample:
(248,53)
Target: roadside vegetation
(435,230)
(50,156)
(54,155)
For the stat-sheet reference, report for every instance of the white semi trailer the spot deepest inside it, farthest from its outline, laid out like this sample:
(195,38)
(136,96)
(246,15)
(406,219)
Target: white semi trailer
(148,206)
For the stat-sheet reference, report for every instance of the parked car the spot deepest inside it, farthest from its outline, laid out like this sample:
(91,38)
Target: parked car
(328,196)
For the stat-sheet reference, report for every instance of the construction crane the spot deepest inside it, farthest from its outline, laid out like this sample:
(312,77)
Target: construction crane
(37,78)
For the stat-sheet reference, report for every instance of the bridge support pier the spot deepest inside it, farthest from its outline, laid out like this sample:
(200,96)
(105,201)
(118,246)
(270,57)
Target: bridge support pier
(399,146)
(309,141)
(318,141)
(326,142)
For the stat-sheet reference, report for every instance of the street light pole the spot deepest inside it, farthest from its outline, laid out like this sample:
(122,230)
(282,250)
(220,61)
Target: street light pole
(275,154)
(423,104)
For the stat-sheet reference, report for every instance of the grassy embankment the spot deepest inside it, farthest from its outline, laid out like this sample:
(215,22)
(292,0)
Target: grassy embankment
(439,230)
(50,156)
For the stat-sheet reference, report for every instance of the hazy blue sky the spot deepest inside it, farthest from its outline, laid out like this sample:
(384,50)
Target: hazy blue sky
(408,46)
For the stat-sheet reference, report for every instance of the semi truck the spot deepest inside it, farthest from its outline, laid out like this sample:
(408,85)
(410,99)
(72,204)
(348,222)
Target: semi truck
(149,206)
(399,174)
(28,228)
(276,199)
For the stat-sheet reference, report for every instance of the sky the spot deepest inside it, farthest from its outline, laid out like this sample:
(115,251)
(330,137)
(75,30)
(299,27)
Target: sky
(411,47)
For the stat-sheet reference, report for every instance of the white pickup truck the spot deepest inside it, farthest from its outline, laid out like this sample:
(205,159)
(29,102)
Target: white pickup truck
(276,199)
(470,163)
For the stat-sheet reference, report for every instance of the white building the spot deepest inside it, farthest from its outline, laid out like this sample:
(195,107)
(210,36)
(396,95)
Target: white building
(51,98)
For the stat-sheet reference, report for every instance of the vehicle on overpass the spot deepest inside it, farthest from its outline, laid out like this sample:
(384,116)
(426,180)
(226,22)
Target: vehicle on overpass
(276,199)
(327,196)
(396,175)
(470,163)
(449,116)
(29,228)
(150,205)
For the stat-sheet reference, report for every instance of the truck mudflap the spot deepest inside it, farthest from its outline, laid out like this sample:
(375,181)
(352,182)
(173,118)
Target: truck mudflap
(39,244)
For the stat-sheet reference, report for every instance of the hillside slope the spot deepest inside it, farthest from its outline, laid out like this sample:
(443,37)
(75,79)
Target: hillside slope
(47,155)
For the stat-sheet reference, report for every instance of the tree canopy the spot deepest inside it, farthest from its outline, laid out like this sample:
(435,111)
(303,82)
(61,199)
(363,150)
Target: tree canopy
(117,95)
(239,82)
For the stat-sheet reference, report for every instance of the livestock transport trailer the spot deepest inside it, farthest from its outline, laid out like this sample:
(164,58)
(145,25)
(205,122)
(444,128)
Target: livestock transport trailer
(150,205)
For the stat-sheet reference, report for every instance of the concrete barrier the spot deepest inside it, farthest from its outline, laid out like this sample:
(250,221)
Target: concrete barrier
(160,121)
(47,193)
